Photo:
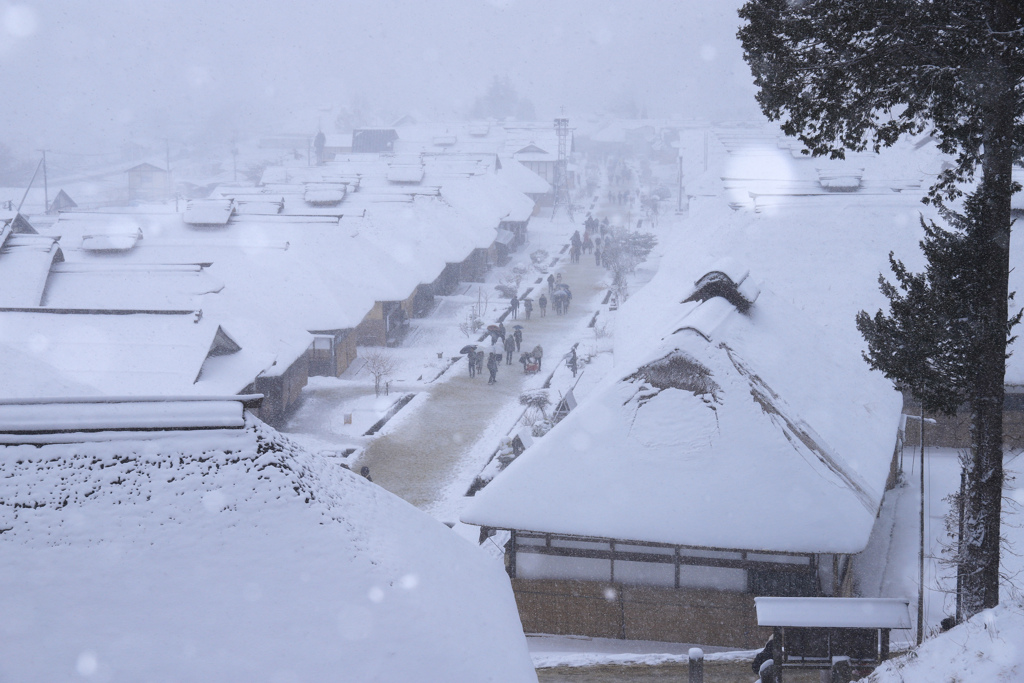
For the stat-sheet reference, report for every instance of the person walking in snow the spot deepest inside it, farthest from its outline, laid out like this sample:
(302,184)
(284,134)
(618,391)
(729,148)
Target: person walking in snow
(537,354)
(501,331)
(551,283)
(518,336)
(471,362)
(514,304)
(571,361)
(561,301)
(479,362)
(597,256)
(543,302)
(528,307)
(510,348)
(492,367)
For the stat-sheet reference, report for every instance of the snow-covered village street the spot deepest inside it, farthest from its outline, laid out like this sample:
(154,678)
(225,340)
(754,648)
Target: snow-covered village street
(430,452)
(512,341)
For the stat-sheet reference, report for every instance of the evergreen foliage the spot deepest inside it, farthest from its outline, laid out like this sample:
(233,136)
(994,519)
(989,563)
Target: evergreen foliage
(931,335)
(854,75)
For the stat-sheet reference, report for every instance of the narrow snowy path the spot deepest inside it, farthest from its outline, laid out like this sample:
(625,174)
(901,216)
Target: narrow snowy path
(425,453)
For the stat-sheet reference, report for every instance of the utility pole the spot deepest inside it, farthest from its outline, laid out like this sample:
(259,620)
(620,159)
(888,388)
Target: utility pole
(920,592)
(25,196)
(46,188)
(679,207)
(561,174)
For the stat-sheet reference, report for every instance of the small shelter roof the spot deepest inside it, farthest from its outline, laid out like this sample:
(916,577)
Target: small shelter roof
(324,194)
(834,612)
(209,211)
(111,241)
(405,173)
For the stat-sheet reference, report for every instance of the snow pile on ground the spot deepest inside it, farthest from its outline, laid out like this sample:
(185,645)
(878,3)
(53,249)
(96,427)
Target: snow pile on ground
(988,647)
(233,555)
(556,651)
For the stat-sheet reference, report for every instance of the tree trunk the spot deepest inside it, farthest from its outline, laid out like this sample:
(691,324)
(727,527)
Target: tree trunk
(983,505)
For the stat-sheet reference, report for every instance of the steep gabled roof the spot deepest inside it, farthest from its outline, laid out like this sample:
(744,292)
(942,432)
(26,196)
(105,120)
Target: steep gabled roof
(732,430)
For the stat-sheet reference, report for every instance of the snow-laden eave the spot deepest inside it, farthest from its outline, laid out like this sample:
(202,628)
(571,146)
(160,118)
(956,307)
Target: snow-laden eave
(740,468)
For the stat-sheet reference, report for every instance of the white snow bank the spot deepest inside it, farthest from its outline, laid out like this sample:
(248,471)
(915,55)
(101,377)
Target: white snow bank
(235,556)
(551,651)
(988,647)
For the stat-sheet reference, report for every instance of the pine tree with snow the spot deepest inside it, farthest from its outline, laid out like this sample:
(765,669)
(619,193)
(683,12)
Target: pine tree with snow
(845,75)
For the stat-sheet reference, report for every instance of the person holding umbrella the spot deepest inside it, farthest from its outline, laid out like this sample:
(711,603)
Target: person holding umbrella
(470,352)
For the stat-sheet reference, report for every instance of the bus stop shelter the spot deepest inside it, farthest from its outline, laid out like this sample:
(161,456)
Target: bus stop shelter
(815,633)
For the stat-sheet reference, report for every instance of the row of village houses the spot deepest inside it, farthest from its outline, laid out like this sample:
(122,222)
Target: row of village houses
(254,288)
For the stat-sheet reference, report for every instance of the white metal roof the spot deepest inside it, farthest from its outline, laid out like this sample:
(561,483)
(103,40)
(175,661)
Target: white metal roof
(834,612)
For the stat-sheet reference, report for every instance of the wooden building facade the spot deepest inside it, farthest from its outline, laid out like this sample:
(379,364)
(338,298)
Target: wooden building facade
(610,588)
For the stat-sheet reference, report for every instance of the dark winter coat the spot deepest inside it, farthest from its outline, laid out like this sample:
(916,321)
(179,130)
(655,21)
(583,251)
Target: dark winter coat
(492,363)
(763,656)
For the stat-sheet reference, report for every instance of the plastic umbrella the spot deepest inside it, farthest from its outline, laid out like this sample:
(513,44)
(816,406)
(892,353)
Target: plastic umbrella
(467,348)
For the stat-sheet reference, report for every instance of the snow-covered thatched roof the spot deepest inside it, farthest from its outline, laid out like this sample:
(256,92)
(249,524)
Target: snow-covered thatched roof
(729,430)
(233,555)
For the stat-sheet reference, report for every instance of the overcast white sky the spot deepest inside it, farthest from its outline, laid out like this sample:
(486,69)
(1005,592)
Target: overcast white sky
(91,74)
